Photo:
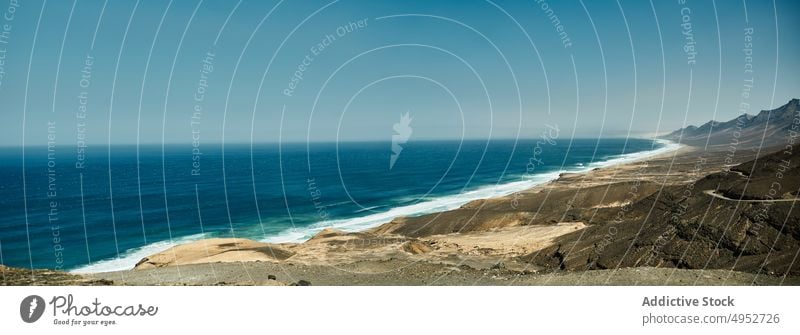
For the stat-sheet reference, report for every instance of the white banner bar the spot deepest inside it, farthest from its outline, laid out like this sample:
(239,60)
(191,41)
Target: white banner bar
(395,310)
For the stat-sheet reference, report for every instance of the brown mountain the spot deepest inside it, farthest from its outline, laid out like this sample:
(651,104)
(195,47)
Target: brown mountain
(745,131)
(737,214)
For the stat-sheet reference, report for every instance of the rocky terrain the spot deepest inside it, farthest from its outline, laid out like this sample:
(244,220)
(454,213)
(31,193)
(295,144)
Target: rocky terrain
(26,277)
(752,228)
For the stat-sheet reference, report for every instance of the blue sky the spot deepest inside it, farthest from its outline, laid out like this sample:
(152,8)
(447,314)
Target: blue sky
(473,69)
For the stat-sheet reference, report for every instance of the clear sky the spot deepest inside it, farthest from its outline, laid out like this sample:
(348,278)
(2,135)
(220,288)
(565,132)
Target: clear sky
(128,71)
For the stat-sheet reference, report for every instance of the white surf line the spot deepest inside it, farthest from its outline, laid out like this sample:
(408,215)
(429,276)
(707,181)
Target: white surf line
(453,201)
(127,259)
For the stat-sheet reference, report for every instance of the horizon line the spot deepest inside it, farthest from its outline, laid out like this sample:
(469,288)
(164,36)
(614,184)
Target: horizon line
(639,137)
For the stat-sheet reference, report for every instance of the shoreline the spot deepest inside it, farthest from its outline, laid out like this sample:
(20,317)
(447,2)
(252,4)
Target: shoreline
(579,229)
(131,257)
(451,201)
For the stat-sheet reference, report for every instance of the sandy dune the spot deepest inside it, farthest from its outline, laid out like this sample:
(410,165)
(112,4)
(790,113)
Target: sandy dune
(215,250)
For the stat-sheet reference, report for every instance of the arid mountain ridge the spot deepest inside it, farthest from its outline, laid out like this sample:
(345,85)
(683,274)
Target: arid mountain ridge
(769,126)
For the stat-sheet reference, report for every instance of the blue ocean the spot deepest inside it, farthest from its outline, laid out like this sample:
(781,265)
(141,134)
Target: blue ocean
(125,202)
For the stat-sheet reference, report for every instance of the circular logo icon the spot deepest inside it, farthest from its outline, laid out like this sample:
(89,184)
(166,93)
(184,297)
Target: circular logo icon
(31,308)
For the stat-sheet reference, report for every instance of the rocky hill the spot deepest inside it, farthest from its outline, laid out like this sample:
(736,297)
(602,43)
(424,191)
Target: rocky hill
(744,131)
(743,219)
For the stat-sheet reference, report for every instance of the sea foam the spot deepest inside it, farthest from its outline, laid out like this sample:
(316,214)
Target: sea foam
(450,202)
(129,258)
